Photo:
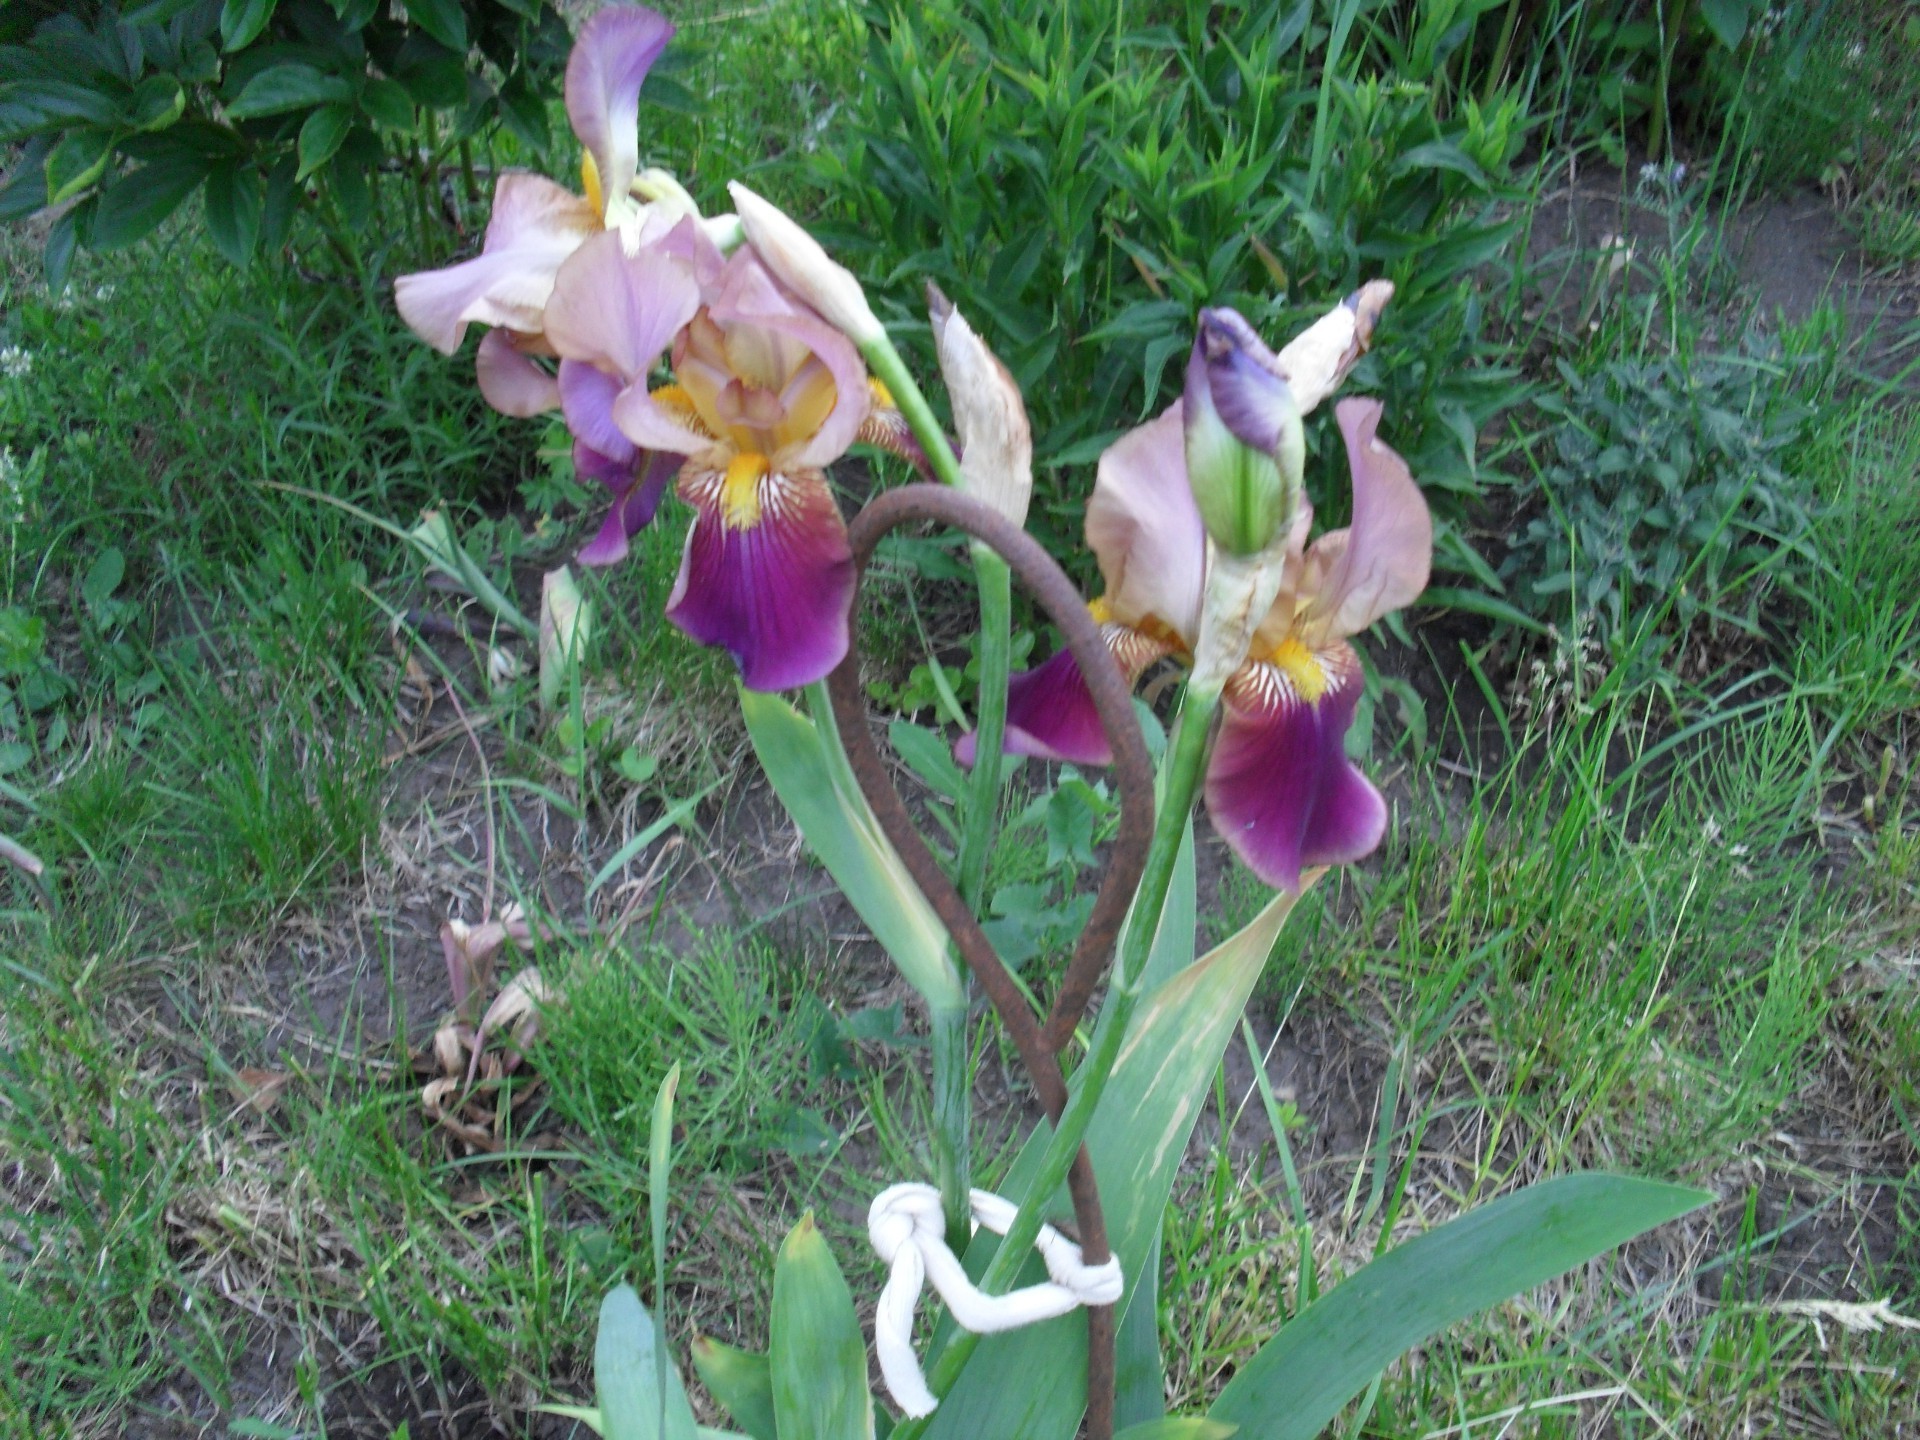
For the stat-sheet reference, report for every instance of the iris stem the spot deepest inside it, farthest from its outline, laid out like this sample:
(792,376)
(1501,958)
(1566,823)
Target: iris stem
(1179,782)
(952,1057)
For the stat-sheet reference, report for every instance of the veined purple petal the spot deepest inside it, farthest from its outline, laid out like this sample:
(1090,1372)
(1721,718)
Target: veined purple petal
(637,485)
(536,225)
(610,58)
(1050,715)
(773,587)
(1280,789)
(510,380)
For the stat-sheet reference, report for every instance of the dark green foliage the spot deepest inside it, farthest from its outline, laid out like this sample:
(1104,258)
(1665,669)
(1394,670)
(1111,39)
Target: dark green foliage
(1662,485)
(262,105)
(1083,178)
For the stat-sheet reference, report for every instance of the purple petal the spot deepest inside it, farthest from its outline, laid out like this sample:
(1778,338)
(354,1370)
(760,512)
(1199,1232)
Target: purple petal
(610,58)
(1280,789)
(510,380)
(587,394)
(536,225)
(1050,715)
(637,486)
(1231,370)
(776,590)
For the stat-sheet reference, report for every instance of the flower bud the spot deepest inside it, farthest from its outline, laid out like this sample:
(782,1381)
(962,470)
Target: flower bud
(1245,447)
(807,270)
(1321,356)
(996,440)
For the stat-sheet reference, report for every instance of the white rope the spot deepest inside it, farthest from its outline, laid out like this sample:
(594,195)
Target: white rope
(909,1232)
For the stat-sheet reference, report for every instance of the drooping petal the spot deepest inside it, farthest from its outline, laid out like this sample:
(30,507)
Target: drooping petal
(766,573)
(536,225)
(619,311)
(610,58)
(510,380)
(1280,789)
(1381,561)
(885,428)
(1145,529)
(637,485)
(761,320)
(1050,715)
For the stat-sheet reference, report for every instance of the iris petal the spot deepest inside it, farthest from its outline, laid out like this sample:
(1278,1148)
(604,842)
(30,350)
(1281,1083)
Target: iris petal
(1050,715)
(637,485)
(1280,789)
(609,61)
(775,593)
(510,380)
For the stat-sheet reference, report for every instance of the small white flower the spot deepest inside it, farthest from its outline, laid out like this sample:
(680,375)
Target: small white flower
(15,363)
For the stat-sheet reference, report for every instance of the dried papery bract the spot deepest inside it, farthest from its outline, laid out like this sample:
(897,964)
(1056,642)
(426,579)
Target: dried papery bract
(996,439)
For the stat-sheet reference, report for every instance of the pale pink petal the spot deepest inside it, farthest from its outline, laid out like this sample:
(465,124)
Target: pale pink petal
(513,382)
(1280,789)
(610,58)
(1145,529)
(747,295)
(536,225)
(619,311)
(1381,561)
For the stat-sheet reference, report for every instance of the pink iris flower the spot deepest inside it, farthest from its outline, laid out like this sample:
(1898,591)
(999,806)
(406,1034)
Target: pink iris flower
(536,226)
(765,395)
(1279,786)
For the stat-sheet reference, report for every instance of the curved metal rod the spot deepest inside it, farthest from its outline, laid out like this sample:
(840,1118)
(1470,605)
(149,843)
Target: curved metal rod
(1038,1045)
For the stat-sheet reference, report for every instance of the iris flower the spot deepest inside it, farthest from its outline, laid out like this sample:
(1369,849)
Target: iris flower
(766,394)
(1279,786)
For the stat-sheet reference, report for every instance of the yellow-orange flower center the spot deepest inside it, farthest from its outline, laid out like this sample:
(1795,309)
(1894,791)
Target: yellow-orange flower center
(740,490)
(590,182)
(1302,669)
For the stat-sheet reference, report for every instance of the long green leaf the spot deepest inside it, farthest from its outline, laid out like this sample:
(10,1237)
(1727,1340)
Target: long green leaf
(819,1358)
(741,1381)
(808,775)
(627,1375)
(1032,1382)
(1177,1427)
(1334,1348)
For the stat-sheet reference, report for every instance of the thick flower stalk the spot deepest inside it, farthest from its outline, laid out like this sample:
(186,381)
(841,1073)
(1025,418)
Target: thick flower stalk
(1278,784)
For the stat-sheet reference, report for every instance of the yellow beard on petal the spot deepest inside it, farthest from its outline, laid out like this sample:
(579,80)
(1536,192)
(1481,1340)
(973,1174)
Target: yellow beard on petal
(1301,667)
(740,491)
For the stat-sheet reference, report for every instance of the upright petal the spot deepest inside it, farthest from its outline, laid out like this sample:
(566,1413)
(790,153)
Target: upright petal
(766,574)
(1381,561)
(610,58)
(620,311)
(1145,529)
(510,380)
(1280,788)
(536,225)
(748,296)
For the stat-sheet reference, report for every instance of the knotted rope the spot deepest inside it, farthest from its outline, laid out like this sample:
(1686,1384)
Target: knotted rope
(908,1230)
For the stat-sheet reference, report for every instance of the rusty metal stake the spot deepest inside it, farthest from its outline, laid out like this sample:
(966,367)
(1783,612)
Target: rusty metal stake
(1038,1044)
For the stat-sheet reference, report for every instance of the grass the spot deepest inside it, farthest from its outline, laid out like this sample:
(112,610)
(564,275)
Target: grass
(1664,929)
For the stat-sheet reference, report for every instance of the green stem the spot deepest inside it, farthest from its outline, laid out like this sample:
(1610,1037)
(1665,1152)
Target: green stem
(886,364)
(953,1121)
(1180,781)
(996,658)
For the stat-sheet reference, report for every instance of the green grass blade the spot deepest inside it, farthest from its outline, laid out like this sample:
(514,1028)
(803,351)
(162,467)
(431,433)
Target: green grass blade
(1332,1351)
(819,1357)
(659,1171)
(1177,1427)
